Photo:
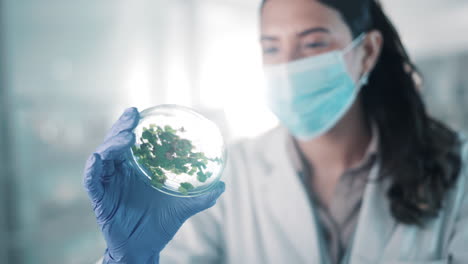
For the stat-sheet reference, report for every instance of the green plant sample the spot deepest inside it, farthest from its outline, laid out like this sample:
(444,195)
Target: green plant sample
(185,187)
(163,150)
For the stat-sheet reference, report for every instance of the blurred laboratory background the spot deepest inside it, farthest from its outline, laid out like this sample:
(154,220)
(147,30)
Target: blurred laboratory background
(69,68)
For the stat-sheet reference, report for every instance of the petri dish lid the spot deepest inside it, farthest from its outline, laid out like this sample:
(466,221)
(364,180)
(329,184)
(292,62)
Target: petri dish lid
(178,151)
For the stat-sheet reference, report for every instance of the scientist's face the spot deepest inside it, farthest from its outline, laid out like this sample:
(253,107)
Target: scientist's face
(295,29)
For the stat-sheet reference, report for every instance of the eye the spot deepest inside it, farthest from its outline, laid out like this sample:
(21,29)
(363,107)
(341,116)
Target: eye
(270,50)
(315,45)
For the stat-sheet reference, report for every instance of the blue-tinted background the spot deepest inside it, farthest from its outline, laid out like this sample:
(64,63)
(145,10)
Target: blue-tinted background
(69,68)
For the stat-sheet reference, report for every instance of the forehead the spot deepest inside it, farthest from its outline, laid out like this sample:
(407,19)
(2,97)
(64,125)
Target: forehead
(293,16)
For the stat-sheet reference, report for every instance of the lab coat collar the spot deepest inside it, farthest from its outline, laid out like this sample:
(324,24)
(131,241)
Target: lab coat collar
(375,224)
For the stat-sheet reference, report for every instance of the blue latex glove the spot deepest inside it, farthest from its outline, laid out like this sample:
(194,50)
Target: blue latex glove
(136,220)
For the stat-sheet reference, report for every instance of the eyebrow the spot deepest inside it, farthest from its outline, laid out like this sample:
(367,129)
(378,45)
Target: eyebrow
(313,30)
(300,34)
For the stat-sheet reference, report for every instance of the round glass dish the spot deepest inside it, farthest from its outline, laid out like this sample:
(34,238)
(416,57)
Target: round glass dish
(178,151)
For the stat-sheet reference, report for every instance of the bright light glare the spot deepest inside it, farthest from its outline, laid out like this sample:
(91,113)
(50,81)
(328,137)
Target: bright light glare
(232,79)
(178,85)
(138,81)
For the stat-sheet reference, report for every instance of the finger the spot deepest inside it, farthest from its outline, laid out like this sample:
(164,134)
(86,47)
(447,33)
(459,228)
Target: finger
(127,122)
(116,147)
(208,200)
(92,177)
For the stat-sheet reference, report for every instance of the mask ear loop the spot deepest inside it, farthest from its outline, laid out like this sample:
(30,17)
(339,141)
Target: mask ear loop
(355,42)
(365,77)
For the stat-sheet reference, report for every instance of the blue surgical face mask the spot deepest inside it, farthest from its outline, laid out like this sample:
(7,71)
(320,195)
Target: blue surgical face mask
(309,96)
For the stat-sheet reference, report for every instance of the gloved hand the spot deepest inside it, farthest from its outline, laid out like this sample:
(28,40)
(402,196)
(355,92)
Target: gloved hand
(136,220)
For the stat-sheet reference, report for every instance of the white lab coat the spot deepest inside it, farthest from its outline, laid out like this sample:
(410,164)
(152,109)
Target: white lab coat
(265,217)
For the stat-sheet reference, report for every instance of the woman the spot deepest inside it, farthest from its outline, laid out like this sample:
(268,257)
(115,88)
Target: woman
(357,172)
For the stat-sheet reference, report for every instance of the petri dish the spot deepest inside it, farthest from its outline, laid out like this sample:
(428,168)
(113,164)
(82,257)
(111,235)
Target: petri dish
(178,151)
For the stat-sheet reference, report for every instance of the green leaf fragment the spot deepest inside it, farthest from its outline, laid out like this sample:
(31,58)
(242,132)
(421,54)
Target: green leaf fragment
(182,190)
(201,177)
(162,151)
(157,183)
(169,129)
(185,187)
(192,171)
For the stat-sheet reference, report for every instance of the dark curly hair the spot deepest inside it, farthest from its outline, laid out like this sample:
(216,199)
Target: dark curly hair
(420,154)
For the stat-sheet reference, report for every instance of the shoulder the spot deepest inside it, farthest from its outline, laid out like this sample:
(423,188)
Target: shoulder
(259,146)
(253,156)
